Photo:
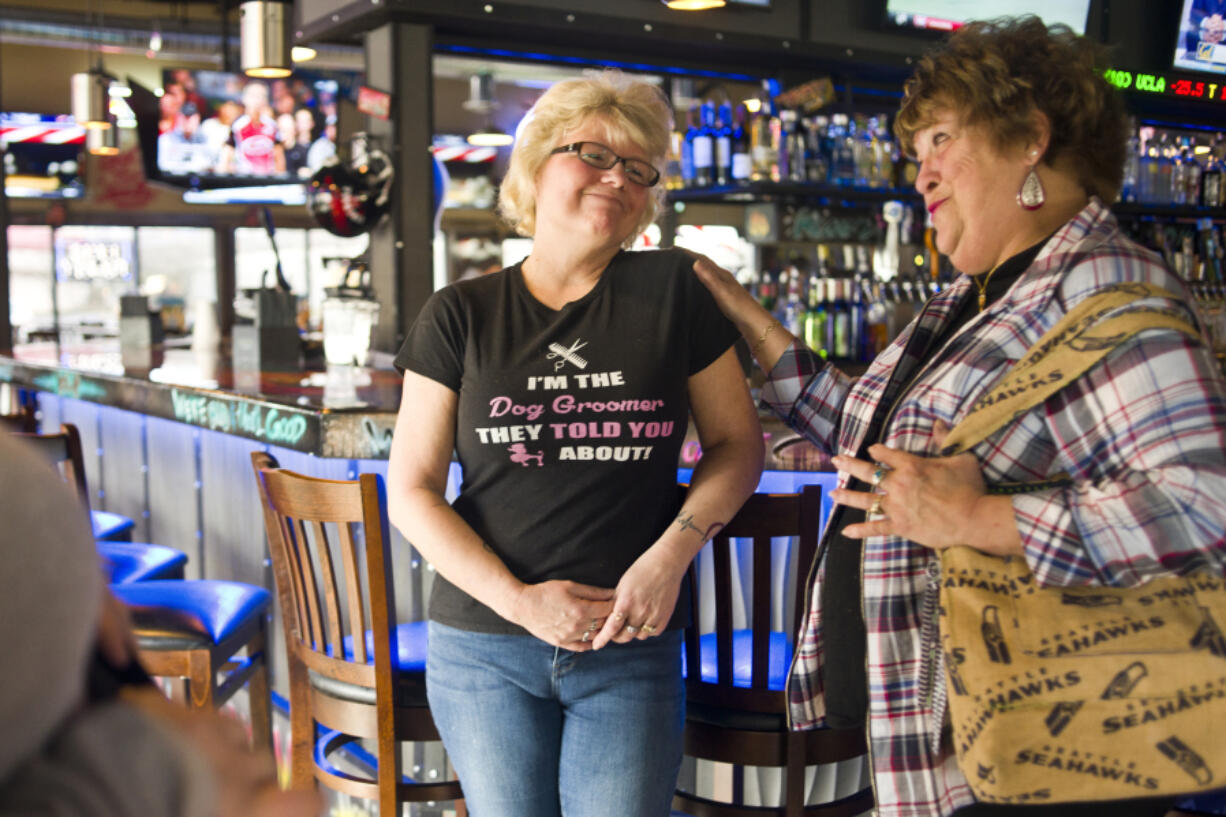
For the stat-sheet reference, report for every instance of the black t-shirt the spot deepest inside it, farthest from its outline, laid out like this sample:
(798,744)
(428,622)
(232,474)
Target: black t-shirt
(570,422)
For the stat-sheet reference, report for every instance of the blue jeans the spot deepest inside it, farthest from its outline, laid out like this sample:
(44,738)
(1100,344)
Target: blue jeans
(538,731)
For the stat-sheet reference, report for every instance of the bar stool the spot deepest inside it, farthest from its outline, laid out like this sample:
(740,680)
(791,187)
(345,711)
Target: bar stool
(63,449)
(736,705)
(195,629)
(191,630)
(126,562)
(357,677)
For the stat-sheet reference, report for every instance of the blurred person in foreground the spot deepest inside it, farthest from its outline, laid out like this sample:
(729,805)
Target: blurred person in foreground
(86,733)
(564,385)
(1021,144)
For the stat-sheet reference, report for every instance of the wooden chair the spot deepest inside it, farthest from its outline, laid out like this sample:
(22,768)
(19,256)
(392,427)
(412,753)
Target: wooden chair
(191,630)
(736,705)
(358,676)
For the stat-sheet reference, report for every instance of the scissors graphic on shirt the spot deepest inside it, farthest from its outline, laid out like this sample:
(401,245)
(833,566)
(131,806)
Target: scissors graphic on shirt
(557,350)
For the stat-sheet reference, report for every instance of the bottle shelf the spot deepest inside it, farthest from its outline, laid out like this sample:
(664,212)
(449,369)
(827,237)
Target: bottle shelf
(808,192)
(1179,212)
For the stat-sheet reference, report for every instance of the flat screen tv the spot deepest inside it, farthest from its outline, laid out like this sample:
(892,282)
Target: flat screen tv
(217,129)
(1201,42)
(946,15)
(41,155)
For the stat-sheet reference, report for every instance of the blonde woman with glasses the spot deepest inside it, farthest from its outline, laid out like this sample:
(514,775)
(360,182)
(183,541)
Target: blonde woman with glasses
(564,385)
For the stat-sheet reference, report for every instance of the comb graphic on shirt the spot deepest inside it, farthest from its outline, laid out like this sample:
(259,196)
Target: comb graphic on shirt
(557,350)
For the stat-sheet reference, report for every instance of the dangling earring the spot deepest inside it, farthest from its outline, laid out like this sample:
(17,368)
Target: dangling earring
(1030,196)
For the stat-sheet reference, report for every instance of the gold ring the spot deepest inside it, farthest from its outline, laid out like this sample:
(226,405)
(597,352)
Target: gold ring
(879,474)
(648,629)
(593,627)
(875,509)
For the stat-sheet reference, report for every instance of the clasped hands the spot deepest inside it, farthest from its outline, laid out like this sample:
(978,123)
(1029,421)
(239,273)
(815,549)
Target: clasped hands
(581,617)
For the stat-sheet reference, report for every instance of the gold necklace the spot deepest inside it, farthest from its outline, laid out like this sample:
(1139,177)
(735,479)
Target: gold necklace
(983,287)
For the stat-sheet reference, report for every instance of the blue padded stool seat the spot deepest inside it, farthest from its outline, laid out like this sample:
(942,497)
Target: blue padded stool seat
(411,640)
(113,527)
(184,615)
(135,562)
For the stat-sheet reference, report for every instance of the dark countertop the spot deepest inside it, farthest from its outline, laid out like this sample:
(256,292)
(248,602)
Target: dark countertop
(344,412)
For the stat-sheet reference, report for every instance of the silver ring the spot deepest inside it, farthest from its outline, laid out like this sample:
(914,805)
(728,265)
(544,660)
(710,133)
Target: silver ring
(587,635)
(875,509)
(630,628)
(879,474)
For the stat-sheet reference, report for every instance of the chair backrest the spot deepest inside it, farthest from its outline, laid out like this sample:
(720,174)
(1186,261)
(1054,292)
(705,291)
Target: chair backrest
(743,667)
(63,449)
(24,420)
(316,531)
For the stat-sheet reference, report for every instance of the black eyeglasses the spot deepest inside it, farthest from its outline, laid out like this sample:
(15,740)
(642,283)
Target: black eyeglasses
(602,158)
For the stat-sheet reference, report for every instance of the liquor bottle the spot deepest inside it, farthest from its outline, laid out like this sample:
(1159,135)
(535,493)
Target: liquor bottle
(798,153)
(687,148)
(844,150)
(817,164)
(767,290)
(742,164)
(1211,183)
(762,148)
(794,307)
(838,327)
(855,302)
(1132,168)
(862,149)
(1193,175)
(815,313)
(1180,169)
(1164,192)
(704,147)
(723,145)
(1147,176)
(782,137)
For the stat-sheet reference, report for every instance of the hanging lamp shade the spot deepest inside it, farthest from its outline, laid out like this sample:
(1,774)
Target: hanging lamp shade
(264,38)
(694,5)
(91,99)
(102,141)
(490,136)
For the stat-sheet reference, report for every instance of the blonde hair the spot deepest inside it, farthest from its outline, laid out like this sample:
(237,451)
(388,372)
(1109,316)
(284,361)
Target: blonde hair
(995,74)
(628,109)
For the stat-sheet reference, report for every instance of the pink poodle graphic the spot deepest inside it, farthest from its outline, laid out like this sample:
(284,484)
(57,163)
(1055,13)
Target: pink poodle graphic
(521,455)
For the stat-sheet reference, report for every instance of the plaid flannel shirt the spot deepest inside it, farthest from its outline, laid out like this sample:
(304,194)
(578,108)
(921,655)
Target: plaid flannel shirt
(1143,435)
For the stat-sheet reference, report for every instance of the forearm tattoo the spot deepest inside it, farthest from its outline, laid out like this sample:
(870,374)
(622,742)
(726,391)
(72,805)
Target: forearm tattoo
(685,520)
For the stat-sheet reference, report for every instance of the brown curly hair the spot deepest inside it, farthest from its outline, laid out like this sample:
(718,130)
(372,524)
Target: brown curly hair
(996,73)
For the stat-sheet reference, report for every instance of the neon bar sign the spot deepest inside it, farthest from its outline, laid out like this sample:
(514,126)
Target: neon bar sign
(1181,87)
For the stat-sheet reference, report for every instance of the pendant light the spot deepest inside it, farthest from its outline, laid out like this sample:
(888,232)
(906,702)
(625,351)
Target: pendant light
(102,141)
(694,5)
(490,136)
(481,101)
(264,38)
(91,99)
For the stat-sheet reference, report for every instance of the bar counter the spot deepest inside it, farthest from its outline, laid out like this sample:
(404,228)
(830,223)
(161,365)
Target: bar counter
(343,412)
(170,446)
